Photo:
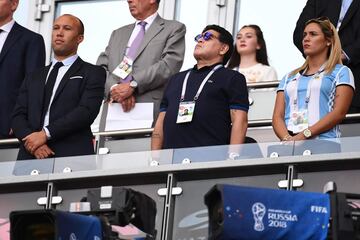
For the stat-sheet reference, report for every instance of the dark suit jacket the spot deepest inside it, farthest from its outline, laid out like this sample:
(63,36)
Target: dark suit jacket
(75,106)
(22,53)
(349,32)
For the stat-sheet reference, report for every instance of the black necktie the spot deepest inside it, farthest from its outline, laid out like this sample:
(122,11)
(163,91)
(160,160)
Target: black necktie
(49,86)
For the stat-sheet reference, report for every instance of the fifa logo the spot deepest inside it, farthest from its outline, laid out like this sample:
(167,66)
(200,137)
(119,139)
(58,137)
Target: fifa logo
(258,210)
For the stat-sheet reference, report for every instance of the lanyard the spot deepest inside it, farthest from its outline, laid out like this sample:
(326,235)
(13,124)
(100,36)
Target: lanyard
(318,75)
(201,85)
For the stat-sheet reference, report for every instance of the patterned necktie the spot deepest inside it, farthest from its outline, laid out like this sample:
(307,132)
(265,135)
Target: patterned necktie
(134,48)
(49,86)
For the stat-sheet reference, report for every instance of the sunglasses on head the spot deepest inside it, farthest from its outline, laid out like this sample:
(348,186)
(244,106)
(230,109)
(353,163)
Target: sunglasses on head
(206,36)
(319,20)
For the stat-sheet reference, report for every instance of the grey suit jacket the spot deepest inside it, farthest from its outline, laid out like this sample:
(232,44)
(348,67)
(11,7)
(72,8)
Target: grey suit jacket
(160,56)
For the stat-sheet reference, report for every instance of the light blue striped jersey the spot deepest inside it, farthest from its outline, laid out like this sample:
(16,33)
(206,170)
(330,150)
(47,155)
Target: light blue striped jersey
(322,95)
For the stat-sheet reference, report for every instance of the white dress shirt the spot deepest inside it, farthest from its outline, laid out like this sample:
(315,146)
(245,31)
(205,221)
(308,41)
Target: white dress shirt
(62,71)
(149,20)
(5,32)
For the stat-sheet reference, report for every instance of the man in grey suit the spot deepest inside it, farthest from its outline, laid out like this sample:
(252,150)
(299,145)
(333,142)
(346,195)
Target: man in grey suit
(141,76)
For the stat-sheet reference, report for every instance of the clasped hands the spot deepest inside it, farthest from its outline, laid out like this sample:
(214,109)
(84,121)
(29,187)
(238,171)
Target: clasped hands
(123,94)
(35,143)
(290,139)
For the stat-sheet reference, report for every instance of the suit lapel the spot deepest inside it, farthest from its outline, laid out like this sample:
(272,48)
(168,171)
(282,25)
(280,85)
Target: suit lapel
(39,86)
(350,12)
(156,27)
(11,39)
(72,70)
(124,40)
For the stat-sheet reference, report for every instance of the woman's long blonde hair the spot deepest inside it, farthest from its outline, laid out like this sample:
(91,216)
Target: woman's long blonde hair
(334,52)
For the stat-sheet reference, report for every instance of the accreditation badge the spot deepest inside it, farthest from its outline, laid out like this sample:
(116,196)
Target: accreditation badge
(124,68)
(300,120)
(186,112)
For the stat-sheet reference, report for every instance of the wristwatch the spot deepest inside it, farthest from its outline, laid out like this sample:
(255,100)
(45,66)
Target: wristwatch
(307,133)
(133,84)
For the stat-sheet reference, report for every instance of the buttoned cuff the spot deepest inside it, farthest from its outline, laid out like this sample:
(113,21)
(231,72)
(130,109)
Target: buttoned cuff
(48,135)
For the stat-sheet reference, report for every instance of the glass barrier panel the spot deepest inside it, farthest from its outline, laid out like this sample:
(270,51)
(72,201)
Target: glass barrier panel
(232,152)
(261,150)
(350,144)
(135,159)
(277,149)
(200,154)
(76,163)
(6,169)
(29,167)
(317,146)
(8,153)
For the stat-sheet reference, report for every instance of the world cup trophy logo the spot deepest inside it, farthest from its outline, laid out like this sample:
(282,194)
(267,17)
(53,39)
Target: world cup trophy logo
(258,210)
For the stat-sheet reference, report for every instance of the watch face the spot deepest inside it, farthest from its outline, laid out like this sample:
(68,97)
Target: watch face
(133,84)
(307,133)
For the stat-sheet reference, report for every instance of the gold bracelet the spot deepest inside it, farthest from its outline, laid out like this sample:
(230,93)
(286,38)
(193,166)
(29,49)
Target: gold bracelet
(287,137)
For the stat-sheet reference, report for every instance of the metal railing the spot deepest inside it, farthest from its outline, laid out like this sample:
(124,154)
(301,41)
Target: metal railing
(145,131)
(148,131)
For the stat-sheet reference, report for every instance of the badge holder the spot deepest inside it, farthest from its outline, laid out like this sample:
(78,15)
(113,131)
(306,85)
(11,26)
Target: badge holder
(300,120)
(124,68)
(186,112)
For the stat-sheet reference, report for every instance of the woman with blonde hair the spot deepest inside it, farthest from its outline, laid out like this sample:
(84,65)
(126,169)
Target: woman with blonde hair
(313,99)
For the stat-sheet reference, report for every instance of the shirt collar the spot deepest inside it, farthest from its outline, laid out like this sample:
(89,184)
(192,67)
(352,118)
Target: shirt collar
(149,20)
(67,61)
(8,26)
(205,68)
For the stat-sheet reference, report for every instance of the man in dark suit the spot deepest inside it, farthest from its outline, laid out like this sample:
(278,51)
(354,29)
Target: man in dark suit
(21,52)
(58,103)
(157,56)
(345,14)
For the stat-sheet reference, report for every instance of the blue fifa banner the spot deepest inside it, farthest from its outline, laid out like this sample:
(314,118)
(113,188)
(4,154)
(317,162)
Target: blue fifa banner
(76,226)
(247,213)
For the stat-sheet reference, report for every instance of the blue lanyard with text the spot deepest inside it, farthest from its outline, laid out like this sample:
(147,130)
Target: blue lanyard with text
(202,83)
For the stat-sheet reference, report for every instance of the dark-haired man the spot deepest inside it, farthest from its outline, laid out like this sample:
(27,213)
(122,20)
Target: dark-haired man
(216,99)
(153,48)
(58,103)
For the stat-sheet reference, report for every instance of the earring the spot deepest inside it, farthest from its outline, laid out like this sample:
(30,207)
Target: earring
(328,44)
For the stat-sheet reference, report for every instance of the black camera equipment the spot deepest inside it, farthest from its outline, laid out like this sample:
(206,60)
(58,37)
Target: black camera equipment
(53,224)
(109,206)
(122,206)
(345,216)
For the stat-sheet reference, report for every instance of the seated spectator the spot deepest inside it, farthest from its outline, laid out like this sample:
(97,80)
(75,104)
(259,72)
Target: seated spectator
(250,57)
(313,99)
(216,99)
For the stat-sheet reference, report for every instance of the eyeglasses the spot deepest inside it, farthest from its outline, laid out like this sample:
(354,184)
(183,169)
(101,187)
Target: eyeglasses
(206,36)
(323,18)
